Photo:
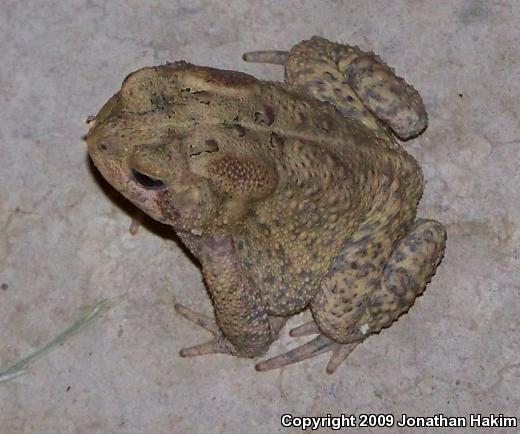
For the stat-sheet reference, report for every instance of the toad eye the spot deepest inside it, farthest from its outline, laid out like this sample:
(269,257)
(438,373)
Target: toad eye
(147,181)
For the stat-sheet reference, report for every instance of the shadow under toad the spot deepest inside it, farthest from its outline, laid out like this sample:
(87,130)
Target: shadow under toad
(160,229)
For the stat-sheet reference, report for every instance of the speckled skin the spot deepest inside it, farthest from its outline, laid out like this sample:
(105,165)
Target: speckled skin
(286,200)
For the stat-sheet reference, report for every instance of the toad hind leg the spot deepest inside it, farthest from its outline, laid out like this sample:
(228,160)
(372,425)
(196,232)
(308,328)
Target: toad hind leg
(319,345)
(275,57)
(406,273)
(343,69)
(359,84)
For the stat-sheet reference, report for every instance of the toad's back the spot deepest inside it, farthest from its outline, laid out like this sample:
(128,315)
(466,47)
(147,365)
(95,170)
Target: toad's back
(333,174)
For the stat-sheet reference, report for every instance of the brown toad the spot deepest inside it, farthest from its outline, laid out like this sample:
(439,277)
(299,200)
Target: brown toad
(290,195)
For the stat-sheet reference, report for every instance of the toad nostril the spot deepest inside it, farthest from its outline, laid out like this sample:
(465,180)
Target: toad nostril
(147,181)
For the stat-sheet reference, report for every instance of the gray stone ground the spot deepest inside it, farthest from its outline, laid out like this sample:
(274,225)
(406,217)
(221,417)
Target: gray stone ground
(64,240)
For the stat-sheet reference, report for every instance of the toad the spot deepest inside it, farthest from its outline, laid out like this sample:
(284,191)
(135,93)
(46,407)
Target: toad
(291,195)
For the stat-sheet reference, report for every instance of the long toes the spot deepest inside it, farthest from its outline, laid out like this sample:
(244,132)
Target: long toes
(201,320)
(274,57)
(213,346)
(339,354)
(277,323)
(318,345)
(306,329)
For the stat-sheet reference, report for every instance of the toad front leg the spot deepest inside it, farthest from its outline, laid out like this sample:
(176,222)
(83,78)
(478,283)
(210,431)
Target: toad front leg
(356,300)
(241,326)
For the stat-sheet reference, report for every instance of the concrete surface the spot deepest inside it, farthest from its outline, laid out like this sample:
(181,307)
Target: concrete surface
(64,240)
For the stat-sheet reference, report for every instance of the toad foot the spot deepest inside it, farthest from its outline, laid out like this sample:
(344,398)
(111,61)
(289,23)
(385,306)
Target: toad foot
(217,345)
(318,345)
